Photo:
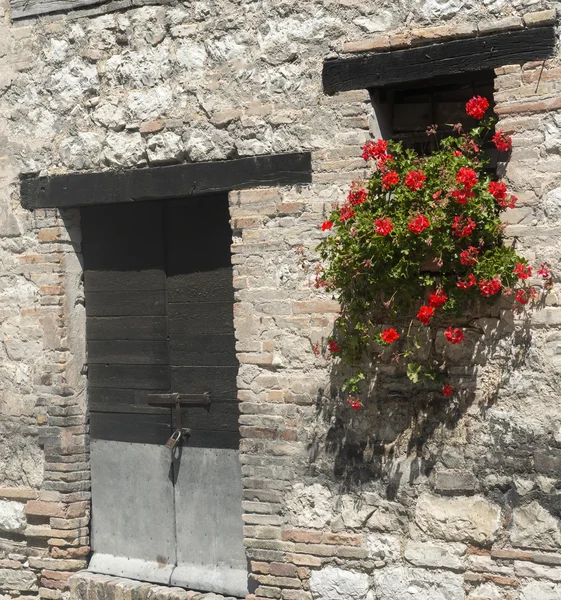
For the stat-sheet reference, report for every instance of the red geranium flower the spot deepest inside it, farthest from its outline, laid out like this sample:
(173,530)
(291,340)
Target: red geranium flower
(447,390)
(374,149)
(463,226)
(523,271)
(389,335)
(469,282)
(334,347)
(497,189)
(469,257)
(437,298)
(521,297)
(477,107)
(455,335)
(462,196)
(418,224)
(346,213)
(415,180)
(326,225)
(390,179)
(502,142)
(357,196)
(467,177)
(385,158)
(457,153)
(425,314)
(354,403)
(543,271)
(491,287)
(383,226)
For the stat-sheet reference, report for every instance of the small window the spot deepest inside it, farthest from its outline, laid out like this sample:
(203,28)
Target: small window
(405,112)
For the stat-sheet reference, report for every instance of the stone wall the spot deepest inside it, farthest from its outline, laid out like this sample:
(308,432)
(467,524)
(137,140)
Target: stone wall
(411,498)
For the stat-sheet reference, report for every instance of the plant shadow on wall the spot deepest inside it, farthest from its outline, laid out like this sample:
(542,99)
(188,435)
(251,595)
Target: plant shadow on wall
(432,298)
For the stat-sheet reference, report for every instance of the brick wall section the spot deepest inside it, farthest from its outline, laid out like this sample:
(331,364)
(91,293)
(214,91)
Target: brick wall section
(53,541)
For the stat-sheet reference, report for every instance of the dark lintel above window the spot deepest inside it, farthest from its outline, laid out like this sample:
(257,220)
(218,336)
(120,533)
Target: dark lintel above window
(391,68)
(23,9)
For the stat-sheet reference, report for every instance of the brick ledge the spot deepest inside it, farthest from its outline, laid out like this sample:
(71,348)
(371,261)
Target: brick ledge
(428,35)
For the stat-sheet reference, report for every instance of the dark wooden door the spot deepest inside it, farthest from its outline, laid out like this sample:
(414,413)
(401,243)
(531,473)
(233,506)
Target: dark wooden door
(159,303)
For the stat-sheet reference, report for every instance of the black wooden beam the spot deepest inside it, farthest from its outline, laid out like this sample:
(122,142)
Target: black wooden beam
(396,67)
(158,183)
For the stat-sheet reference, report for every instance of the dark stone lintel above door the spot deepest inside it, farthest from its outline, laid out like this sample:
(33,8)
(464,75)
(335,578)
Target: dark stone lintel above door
(174,181)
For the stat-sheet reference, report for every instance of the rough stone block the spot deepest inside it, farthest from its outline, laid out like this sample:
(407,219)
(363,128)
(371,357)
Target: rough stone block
(534,527)
(332,583)
(12,516)
(454,482)
(470,519)
(541,17)
(435,555)
(393,583)
(20,580)
(539,590)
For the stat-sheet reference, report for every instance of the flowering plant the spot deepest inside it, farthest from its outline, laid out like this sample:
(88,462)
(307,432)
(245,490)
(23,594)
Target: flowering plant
(423,236)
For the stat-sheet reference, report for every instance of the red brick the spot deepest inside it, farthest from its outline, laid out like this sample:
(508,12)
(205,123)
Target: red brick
(283,569)
(302,535)
(260,567)
(510,554)
(152,126)
(50,234)
(80,552)
(343,538)
(44,509)
(304,559)
(18,493)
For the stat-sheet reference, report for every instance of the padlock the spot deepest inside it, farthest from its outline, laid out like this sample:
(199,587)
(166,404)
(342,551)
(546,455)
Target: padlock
(174,439)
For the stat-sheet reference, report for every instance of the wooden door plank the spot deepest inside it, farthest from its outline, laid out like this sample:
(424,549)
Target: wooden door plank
(217,350)
(126,303)
(124,401)
(219,381)
(396,67)
(126,328)
(202,286)
(135,377)
(127,352)
(199,318)
(222,416)
(124,281)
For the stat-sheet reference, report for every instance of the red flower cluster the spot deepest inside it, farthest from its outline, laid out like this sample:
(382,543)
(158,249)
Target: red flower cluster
(463,226)
(543,271)
(467,283)
(469,257)
(467,177)
(357,196)
(521,297)
(477,107)
(390,179)
(326,225)
(334,347)
(498,190)
(502,142)
(455,335)
(462,196)
(491,287)
(389,335)
(374,150)
(523,271)
(383,226)
(418,224)
(447,390)
(346,213)
(354,403)
(425,314)
(438,298)
(415,180)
